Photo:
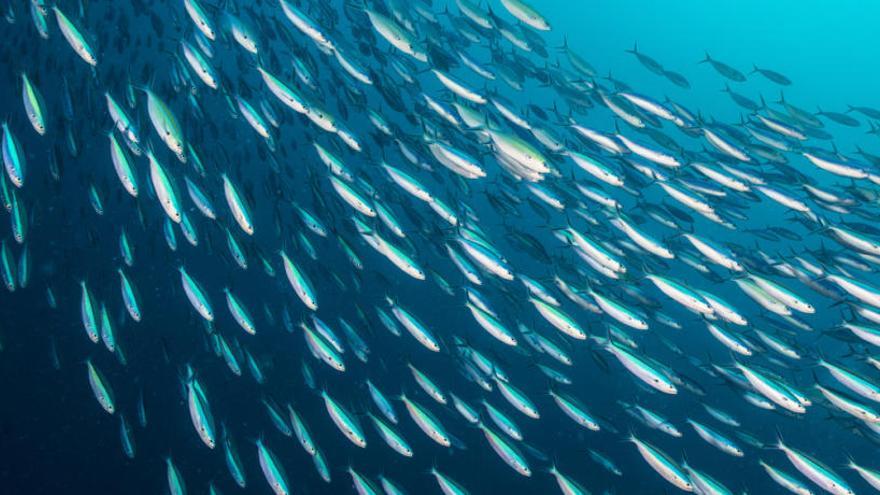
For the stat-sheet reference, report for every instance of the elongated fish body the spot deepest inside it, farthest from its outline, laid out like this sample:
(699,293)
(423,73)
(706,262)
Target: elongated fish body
(101,388)
(164,189)
(343,420)
(853,381)
(362,485)
(38,15)
(619,312)
(123,167)
(242,33)
(24,268)
(272,469)
(492,325)
(408,183)
(716,439)
(323,349)
(233,461)
(326,332)
(731,341)
(165,124)
(426,422)
(428,385)
(13,158)
(390,487)
(122,121)
(716,254)
(816,472)
(518,399)
(391,437)
(302,431)
(199,65)
(860,290)
(683,295)
(723,309)
(253,117)
(126,437)
(276,416)
(457,161)
(305,24)
(420,332)
(87,312)
(787,297)
(300,283)
(397,36)
(567,485)
(486,259)
(507,452)
(527,14)
(240,313)
(382,402)
(560,320)
(777,392)
(353,198)
(176,485)
(240,210)
(285,94)
(33,105)
(398,257)
(705,484)
(778,345)
(196,295)
(200,413)
(575,411)
(725,146)
(200,199)
(189,231)
(642,369)
(467,412)
(108,332)
(605,462)
(236,250)
(869,475)
(447,485)
(655,421)
(760,296)
(786,480)
(75,38)
(596,168)
(665,467)
(200,18)
(596,251)
(856,409)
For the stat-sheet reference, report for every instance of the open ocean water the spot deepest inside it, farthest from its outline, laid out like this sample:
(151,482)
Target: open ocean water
(314,246)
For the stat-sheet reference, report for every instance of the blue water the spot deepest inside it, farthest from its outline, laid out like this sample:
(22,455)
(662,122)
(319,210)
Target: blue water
(55,438)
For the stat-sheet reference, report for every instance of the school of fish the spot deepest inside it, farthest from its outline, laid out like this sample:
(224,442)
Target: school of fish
(329,185)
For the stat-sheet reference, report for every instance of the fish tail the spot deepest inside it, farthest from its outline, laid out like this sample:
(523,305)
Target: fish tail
(564,45)
(781,100)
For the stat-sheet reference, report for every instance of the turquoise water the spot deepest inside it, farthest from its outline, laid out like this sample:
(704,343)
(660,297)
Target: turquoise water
(826,48)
